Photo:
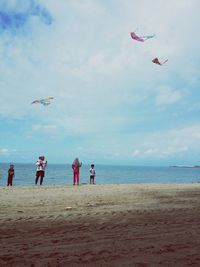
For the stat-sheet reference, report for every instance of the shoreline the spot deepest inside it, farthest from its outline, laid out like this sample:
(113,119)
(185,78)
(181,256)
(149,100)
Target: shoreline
(100,225)
(58,185)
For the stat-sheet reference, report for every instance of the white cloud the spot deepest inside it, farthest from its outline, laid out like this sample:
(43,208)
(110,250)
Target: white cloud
(168,143)
(157,152)
(54,57)
(136,153)
(104,83)
(166,95)
(7,152)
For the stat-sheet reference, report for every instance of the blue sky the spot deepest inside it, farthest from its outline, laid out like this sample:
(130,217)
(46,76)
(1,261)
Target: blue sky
(112,104)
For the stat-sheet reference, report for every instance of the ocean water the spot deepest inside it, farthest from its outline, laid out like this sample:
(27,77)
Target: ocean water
(62,174)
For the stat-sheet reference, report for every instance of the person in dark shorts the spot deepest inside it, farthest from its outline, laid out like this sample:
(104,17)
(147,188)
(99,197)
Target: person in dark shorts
(40,172)
(92,174)
(11,174)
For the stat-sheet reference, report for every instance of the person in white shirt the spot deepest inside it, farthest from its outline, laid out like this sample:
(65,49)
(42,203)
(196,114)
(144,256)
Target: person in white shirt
(92,174)
(40,171)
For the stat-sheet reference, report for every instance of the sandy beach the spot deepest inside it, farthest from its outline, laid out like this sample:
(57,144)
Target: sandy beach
(100,225)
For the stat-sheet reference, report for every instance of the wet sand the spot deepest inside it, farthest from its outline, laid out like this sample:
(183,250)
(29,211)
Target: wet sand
(100,225)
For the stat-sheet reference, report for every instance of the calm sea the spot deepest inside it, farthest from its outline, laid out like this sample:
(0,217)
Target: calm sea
(105,174)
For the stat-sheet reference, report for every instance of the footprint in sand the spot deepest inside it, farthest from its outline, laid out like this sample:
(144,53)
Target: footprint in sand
(55,241)
(68,208)
(19,219)
(141,264)
(58,217)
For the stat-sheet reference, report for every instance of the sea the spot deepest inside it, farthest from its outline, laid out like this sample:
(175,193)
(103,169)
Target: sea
(61,174)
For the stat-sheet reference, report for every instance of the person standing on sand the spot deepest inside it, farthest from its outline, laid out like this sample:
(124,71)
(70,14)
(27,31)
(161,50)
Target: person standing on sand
(76,167)
(92,174)
(40,172)
(11,174)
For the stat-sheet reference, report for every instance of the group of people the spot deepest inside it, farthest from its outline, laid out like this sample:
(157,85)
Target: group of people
(40,171)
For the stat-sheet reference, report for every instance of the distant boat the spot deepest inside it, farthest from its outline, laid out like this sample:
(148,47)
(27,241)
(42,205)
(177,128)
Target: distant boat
(186,166)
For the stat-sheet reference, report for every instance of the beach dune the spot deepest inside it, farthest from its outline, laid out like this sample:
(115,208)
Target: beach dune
(100,225)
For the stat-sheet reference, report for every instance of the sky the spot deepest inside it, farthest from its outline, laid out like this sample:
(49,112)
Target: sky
(111,104)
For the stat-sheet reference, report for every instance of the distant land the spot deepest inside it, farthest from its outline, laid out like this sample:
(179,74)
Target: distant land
(186,166)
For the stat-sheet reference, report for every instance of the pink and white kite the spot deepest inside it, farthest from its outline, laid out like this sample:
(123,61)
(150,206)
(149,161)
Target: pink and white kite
(140,38)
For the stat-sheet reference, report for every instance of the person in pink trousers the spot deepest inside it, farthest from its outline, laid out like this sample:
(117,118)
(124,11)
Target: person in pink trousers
(76,167)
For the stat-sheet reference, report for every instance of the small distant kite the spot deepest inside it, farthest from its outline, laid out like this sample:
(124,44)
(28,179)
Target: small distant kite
(140,38)
(45,101)
(156,61)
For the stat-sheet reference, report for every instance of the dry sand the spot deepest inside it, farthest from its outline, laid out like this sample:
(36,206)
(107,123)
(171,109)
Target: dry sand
(100,225)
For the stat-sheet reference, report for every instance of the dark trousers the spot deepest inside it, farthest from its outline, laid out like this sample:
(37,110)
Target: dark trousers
(10,180)
(39,174)
(91,179)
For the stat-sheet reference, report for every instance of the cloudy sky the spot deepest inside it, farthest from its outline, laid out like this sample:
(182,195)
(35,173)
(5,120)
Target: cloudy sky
(112,104)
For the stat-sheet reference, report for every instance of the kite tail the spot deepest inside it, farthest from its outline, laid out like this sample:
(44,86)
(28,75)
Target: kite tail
(164,61)
(147,37)
(136,29)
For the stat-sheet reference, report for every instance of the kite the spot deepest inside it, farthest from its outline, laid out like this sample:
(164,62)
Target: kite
(140,38)
(45,101)
(156,61)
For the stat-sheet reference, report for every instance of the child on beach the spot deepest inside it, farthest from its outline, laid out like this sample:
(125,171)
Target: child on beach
(76,167)
(92,174)
(40,171)
(11,174)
